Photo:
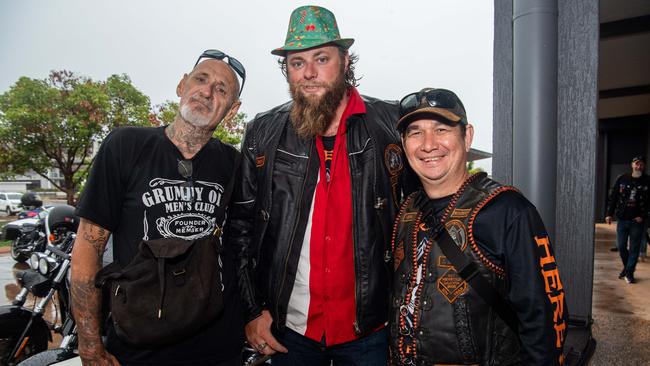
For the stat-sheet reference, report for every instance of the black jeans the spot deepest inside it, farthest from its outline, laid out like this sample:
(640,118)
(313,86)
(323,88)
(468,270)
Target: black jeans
(634,231)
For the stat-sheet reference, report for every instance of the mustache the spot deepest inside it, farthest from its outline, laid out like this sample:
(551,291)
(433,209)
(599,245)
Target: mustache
(202,101)
(312,84)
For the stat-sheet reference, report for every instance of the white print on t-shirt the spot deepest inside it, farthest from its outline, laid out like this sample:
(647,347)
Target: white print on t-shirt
(188,210)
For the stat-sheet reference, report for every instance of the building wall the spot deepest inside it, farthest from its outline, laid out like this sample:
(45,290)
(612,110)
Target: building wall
(578,29)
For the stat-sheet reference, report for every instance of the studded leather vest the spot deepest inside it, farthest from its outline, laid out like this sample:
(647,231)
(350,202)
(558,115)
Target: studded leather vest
(439,319)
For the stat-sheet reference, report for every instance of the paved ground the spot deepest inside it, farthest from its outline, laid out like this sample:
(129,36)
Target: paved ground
(621,312)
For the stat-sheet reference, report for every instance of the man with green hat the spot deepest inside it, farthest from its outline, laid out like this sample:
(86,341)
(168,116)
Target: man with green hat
(311,223)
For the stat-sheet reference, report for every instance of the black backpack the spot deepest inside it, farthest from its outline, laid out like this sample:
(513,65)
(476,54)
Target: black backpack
(170,289)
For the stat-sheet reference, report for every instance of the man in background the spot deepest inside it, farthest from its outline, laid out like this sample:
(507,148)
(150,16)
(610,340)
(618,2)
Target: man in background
(629,203)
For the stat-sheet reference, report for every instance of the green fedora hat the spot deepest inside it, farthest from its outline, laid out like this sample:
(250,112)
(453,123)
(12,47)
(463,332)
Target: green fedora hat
(311,26)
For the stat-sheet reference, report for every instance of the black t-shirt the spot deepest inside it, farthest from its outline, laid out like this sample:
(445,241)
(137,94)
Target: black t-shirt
(637,187)
(328,147)
(136,191)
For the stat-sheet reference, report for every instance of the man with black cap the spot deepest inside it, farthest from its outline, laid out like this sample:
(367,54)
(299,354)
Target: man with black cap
(629,201)
(475,279)
(319,191)
(162,184)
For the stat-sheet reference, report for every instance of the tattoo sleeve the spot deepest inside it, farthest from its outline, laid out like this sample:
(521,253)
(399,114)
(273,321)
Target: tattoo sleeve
(86,298)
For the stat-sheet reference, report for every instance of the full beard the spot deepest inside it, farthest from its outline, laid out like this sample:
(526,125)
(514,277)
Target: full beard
(194,117)
(310,116)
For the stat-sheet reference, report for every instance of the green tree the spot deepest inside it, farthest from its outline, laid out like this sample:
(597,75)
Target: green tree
(54,123)
(230,132)
(471,169)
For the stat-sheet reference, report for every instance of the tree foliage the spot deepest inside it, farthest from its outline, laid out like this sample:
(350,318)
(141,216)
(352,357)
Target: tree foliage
(54,123)
(472,170)
(230,132)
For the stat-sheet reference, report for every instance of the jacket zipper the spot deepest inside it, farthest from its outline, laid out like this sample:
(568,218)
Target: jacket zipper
(293,233)
(355,324)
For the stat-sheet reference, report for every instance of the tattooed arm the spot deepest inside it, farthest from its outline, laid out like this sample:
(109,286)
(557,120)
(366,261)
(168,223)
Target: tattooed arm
(86,298)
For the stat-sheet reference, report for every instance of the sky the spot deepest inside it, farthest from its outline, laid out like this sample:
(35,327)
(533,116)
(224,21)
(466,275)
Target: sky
(402,46)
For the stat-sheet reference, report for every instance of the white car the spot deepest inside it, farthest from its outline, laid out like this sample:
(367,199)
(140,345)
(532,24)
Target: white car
(10,202)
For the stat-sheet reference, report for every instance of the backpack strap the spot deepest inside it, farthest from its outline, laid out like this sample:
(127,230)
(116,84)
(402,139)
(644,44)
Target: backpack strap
(469,271)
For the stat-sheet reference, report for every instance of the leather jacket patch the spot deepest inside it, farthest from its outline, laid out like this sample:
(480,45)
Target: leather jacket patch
(260,160)
(393,159)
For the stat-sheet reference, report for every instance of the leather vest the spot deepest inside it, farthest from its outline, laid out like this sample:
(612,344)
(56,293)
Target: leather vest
(451,322)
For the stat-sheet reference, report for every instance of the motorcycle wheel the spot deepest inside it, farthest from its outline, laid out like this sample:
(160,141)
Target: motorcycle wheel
(15,254)
(36,343)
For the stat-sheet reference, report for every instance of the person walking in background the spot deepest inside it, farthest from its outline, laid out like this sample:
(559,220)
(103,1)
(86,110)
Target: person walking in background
(629,203)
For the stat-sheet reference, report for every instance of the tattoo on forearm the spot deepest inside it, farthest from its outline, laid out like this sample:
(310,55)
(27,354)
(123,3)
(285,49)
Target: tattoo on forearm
(86,306)
(96,236)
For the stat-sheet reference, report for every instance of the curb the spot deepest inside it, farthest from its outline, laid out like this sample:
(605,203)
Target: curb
(4,250)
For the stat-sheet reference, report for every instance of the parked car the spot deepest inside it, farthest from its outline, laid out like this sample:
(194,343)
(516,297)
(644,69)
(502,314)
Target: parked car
(10,202)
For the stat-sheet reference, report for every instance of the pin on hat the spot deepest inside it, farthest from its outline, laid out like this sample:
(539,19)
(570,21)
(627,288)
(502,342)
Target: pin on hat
(311,26)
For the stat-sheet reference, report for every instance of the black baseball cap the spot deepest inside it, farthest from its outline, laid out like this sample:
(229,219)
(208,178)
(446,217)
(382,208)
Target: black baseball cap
(431,103)
(638,158)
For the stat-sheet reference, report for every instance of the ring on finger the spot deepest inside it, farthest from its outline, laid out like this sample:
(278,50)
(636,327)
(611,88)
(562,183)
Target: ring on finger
(260,347)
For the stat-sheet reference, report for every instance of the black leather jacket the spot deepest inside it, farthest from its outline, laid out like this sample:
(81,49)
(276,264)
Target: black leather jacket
(620,193)
(268,219)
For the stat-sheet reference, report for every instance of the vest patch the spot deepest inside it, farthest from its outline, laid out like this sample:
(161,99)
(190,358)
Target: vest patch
(458,233)
(460,213)
(398,257)
(409,216)
(451,285)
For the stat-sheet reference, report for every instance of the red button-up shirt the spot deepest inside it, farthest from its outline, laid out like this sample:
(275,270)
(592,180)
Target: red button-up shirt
(332,306)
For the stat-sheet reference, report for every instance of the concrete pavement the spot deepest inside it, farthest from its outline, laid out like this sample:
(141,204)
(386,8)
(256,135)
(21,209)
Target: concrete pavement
(621,311)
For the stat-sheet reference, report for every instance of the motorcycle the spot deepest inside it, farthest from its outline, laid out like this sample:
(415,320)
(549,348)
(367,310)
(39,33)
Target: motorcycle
(23,331)
(29,236)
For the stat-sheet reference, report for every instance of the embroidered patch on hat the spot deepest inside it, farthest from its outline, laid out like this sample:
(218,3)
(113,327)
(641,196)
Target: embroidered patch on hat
(260,160)
(393,159)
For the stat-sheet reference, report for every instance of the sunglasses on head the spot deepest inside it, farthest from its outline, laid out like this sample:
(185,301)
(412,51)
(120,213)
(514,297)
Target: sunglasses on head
(185,170)
(439,98)
(231,61)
